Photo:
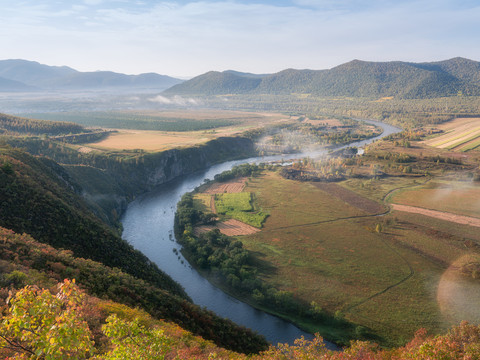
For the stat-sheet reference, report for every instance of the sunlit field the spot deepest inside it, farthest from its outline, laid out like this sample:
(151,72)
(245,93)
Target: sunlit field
(462,198)
(327,247)
(183,128)
(462,134)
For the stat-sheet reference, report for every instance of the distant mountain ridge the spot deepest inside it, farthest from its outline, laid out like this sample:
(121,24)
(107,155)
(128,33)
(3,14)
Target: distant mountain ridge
(23,75)
(354,79)
(12,85)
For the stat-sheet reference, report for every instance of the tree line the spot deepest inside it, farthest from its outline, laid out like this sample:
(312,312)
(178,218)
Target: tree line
(18,125)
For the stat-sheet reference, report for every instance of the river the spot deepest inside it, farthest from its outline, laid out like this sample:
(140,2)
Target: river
(148,226)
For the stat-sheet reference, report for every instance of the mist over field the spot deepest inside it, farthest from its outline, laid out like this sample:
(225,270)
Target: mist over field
(232,179)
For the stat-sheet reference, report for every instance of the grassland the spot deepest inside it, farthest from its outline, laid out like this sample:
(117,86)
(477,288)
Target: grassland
(462,134)
(324,242)
(341,245)
(322,248)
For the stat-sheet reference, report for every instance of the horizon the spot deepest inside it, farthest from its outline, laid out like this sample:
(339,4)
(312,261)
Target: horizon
(235,70)
(187,38)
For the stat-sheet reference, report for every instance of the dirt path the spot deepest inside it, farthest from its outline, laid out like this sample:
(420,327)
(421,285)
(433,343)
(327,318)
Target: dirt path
(213,208)
(459,219)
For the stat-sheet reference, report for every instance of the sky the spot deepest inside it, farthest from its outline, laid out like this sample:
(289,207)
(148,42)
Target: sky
(187,38)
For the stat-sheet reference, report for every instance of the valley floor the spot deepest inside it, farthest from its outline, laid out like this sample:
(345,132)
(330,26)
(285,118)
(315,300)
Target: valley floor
(375,250)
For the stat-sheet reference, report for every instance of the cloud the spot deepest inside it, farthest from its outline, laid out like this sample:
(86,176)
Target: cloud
(93,2)
(191,37)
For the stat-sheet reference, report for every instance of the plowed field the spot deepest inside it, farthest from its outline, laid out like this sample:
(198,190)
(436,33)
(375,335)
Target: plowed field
(462,134)
(232,186)
(230,227)
(351,198)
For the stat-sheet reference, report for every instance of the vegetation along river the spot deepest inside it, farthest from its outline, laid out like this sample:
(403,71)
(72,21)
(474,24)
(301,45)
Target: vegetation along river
(148,226)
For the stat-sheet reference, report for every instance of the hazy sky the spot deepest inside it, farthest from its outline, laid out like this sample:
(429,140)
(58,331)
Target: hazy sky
(187,38)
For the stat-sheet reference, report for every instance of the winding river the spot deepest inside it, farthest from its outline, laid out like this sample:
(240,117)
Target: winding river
(148,226)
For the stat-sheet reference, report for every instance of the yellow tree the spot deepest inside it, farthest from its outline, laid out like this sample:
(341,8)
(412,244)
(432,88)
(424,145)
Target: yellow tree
(39,325)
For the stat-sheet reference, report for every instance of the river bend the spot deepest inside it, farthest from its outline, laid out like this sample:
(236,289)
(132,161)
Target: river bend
(148,226)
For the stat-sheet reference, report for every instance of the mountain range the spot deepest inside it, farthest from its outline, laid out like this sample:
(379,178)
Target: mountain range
(353,79)
(457,76)
(23,75)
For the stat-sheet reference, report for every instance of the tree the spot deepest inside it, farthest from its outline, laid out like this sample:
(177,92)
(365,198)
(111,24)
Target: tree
(131,340)
(40,325)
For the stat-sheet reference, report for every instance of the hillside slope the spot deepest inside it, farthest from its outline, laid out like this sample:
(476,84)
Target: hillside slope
(353,79)
(112,179)
(463,69)
(32,72)
(24,261)
(14,86)
(217,83)
(38,197)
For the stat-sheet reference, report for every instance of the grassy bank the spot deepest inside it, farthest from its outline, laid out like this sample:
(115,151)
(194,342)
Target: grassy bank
(337,249)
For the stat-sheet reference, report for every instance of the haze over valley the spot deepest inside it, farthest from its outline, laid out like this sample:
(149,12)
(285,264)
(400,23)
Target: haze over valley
(294,179)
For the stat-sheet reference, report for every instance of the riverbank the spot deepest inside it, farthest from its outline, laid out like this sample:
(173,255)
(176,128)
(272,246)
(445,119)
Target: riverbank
(325,242)
(333,331)
(148,225)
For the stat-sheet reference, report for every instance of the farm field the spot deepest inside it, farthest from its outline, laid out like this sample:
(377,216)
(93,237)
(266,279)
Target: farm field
(457,197)
(148,140)
(237,215)
(161,120)
(230,227)
(231,186)
(323,246)
(240,201)
(163,130)
(462,134)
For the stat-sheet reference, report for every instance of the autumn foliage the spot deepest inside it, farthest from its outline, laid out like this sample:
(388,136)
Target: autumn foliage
(39,325)
(42,325)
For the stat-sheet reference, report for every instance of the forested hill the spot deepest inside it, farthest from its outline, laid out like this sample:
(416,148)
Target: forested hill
(25,261)
(354,79)
(463,69)
(38,197)
(214,82)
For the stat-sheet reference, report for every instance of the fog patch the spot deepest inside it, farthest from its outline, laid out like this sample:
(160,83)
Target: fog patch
(458,292)
(287,142)
(175,100)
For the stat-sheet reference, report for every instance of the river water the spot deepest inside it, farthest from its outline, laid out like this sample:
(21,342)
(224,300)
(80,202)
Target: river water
(148,226)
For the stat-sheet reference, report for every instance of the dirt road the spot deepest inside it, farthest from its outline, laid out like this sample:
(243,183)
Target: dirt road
(459,219)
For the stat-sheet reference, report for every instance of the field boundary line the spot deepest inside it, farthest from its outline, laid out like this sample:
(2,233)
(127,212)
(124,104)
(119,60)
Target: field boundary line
(410,274)
(442,215)
(329,221)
